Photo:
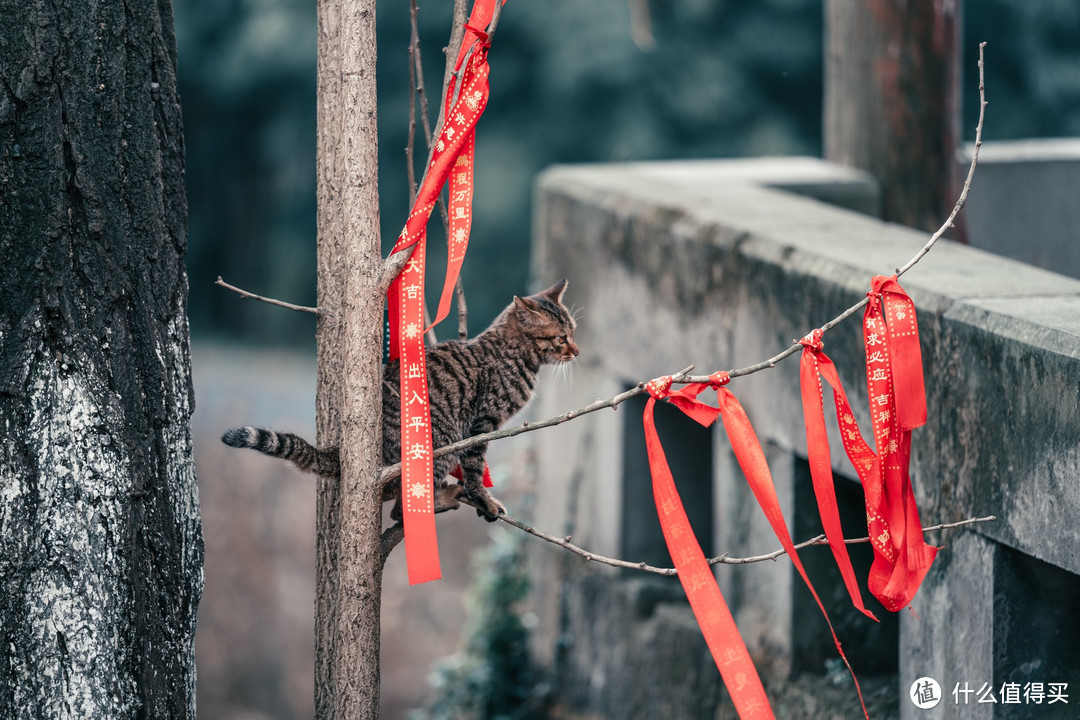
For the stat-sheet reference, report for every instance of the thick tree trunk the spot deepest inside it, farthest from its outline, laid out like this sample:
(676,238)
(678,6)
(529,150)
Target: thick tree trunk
(349,393)
(892,103)
(100,534)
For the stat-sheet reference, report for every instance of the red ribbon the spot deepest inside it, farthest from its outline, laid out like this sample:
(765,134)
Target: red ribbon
(452,157)
(712,613)
(728,650)
(813,366)
(897,405)
(460,475)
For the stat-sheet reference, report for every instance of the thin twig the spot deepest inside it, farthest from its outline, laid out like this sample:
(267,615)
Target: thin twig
(395,533)
(416,87)
(418,69)
(410,145)
(416,74)
(260,298)
(945,226)
(495,19)
(462,310)
(724,559)
(970,174)
(452,49)
(429,334)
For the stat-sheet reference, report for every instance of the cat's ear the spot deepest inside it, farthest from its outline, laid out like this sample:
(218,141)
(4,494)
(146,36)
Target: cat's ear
(555,292)
(527,304)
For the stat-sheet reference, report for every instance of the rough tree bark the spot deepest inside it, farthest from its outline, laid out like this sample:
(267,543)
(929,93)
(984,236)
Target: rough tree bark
(100,534)
(348,395)
(892,102)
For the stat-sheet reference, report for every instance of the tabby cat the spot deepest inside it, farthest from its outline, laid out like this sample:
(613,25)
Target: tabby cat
(474,386)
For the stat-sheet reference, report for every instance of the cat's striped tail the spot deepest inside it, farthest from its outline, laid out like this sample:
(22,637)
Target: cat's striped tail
(286,446)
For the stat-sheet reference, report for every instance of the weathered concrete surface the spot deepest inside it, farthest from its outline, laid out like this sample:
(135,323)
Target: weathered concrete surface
(1025,203)
(679,263)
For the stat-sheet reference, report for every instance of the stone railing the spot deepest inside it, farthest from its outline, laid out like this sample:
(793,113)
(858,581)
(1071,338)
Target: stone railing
(723,264)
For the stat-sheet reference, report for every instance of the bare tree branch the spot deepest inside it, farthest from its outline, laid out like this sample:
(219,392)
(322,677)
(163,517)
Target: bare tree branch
(457,36)
(260,298)
(945,226)
(495,19)
(410,145)
(390,538)
(416,85)
(970,174)
(430,332)
(462,310)
(724,559)
(416,80)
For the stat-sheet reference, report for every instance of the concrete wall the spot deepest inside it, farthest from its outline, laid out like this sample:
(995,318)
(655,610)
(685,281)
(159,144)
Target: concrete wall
(721,264)
(1026,202)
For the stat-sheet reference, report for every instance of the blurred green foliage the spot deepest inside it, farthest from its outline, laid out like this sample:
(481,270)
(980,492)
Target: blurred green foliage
(569,84)
(491,677)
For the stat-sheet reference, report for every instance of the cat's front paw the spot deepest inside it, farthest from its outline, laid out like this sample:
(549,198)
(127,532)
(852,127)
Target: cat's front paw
(448,497)
(487,506)
(493,511)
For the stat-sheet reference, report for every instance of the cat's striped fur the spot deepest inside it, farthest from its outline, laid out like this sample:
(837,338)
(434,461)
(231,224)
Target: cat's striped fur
(474,387)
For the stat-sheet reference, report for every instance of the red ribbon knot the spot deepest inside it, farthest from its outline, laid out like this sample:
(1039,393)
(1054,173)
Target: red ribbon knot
(813,341)
(658,387)
(480,34)
(719,379)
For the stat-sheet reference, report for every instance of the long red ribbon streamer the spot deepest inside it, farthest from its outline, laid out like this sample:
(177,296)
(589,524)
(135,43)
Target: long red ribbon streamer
(813,366)
(712,613)
(897,405)
(700,586)
(452,157)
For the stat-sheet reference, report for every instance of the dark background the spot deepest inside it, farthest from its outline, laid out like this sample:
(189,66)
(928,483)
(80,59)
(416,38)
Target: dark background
(569,85)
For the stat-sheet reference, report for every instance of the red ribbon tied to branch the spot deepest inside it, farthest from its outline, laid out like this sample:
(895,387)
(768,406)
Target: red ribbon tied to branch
(451,158)
(894,380)
(712,613)
(813,366)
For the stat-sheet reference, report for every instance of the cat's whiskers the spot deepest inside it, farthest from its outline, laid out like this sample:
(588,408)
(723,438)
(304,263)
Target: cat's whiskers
(564,371)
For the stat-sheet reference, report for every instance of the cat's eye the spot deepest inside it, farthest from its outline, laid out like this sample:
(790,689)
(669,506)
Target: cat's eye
(561,339)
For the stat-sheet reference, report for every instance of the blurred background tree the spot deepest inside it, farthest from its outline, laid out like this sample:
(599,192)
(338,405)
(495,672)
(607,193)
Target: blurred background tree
(607,80)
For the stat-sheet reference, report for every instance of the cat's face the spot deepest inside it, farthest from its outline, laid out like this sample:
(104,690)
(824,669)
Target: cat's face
(548,324)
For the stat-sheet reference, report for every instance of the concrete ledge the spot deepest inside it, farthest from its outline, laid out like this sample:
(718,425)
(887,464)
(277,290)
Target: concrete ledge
(1025,205)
